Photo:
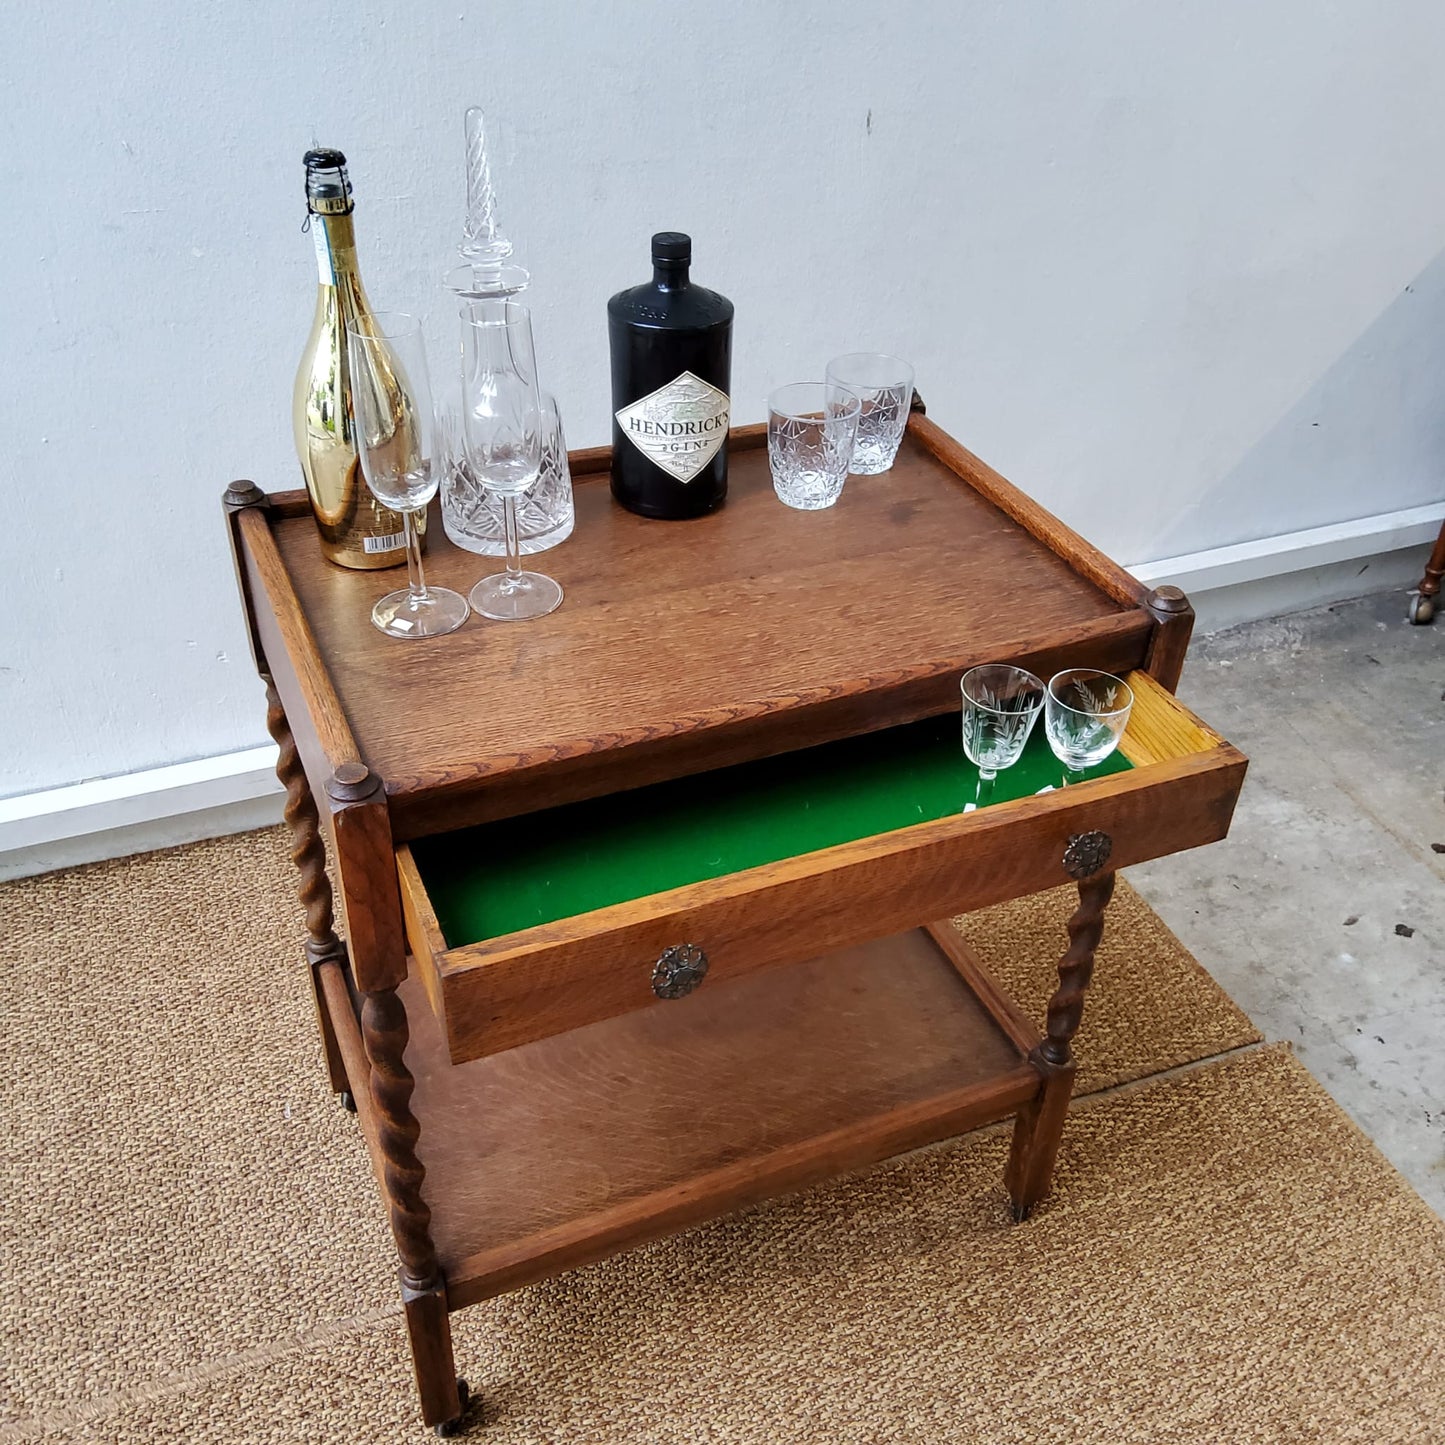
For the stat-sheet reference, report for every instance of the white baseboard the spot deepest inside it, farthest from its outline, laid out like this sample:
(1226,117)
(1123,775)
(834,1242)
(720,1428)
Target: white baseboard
(1296,551)
(157,808)
(1311,568)
(210,797)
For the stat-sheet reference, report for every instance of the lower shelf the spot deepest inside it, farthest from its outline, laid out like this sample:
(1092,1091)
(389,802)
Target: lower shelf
(563,1151)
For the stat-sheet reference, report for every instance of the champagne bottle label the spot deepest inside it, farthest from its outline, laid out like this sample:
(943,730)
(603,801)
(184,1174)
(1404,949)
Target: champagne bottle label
(680,426)
(326,272)
(394,542)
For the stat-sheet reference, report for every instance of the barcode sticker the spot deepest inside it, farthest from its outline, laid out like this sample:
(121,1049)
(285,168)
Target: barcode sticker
(392,543)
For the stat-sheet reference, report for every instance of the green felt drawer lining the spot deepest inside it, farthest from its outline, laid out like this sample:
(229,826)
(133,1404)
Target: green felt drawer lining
(503,877)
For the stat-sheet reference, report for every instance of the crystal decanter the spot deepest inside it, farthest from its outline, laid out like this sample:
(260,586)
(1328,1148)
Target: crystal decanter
(485,276)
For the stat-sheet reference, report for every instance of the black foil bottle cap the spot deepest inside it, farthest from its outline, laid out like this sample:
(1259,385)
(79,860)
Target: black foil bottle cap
(328,188)
(671,248)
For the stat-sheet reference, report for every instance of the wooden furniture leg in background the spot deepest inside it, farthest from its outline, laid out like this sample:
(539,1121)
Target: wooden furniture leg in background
(1040,1123)
(308,853)
(372,901)
(1422,605)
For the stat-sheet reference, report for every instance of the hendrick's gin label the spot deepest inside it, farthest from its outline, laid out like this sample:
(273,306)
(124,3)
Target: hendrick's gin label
(671,369)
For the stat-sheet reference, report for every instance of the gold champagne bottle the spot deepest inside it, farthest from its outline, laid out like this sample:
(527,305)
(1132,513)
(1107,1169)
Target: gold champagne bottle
(356,530)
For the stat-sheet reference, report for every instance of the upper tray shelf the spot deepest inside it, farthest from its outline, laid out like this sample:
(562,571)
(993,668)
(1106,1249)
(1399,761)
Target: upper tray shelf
(691,645)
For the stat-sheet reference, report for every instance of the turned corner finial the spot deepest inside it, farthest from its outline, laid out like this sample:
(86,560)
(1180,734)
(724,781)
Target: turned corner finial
(242,494)
(350,783)
(1168,599)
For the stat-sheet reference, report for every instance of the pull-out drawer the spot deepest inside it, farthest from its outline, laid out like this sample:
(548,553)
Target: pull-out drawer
(537,925)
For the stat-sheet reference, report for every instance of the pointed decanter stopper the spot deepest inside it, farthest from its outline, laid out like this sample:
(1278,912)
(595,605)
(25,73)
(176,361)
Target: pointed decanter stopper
(486,271)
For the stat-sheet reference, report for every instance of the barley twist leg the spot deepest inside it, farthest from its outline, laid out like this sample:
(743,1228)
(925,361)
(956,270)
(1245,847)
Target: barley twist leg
(385,1032)
(1040,1123)
(308,853)
(1076,969)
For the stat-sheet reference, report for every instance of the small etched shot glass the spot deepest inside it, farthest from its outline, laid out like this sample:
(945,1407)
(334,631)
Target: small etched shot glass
(1085,714)
(1001,704)
(811,429)
(884,386)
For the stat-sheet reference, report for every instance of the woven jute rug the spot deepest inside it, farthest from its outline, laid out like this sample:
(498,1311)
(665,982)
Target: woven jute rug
(194,1250)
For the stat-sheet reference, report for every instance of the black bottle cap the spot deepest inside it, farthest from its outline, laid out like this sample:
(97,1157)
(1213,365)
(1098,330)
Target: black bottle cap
(671,246)
(328,187)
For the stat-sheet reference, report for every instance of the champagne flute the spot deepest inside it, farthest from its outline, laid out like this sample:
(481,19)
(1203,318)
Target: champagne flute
(396,444)
(1085,714)
(502,426)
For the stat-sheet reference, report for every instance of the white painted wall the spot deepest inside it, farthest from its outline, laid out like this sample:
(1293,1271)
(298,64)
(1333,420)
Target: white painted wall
(1177,269)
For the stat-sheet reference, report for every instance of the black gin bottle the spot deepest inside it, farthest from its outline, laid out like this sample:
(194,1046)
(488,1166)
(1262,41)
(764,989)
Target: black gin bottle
(671,370)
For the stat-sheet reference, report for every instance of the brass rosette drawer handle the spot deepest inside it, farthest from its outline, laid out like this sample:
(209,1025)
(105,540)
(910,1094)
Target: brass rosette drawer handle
(679,970)
(1086,853)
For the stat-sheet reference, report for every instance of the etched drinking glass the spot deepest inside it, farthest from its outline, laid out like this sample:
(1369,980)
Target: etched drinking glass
(1001,704)
(1085,714)
(811,430)
(397,446)
(884,387)
(503,424)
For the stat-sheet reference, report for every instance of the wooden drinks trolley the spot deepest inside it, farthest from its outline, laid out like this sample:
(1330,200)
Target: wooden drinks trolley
(627,890)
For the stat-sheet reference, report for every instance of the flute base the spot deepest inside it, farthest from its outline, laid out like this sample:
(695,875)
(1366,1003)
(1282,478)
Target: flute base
(515,596)
(438,611)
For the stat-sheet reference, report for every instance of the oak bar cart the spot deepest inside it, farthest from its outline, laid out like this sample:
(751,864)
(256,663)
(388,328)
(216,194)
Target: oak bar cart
(640,898)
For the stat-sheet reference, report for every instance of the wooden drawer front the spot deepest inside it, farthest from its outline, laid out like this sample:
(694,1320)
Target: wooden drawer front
(1179,793)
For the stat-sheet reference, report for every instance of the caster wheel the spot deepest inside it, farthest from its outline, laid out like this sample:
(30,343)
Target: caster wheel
(1422,610)
(454,1426)
(347,1101)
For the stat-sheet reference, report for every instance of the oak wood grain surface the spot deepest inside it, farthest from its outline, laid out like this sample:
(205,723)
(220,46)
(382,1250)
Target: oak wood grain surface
(1160,727)
(644,1123)
(688,645)
(1082,556)
(303,683)
(1007,1012)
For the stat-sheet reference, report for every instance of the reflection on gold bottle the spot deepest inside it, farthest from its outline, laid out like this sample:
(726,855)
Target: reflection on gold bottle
(356,530)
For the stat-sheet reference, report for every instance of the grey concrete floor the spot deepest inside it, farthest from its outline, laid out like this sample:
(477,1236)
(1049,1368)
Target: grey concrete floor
(1342,714)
